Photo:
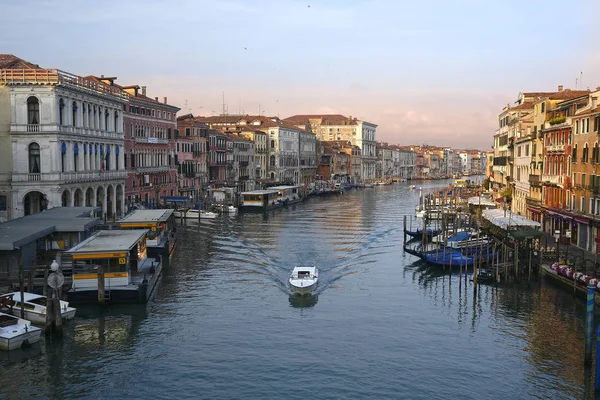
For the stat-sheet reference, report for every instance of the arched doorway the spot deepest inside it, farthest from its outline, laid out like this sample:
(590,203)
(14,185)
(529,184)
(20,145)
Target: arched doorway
(100,196)
(34,202)
(89,196)
(109,201)
(66,199)
(78,198)
(119,200)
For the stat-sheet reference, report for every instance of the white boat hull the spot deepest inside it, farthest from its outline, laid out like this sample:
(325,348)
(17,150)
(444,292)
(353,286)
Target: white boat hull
(300,287)
(40,318)
(30,337)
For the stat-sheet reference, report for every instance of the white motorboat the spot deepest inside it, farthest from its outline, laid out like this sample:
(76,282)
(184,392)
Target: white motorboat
(304,279)
(195,214)
(14,332)
(35,307)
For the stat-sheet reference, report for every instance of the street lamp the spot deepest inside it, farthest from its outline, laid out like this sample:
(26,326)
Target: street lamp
(54,266)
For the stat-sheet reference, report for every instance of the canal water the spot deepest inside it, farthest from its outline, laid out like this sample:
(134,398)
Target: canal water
(382,325)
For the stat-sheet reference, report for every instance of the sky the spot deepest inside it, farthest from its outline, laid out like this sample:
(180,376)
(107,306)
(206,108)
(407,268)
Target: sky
(434,72)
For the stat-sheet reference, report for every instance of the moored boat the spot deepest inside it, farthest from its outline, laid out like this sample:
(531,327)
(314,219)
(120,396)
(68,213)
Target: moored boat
(16,332)
(34,306)
(304,279)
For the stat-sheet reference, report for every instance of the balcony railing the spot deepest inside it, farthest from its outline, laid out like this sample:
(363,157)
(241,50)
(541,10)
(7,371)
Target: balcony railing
(556,148)
(244,177)
(534,179)
(151,140)
(244,163)
(532,202)
(56,129)
(158,168)
(69,176)
(92,175)
(553,179)
(58,77)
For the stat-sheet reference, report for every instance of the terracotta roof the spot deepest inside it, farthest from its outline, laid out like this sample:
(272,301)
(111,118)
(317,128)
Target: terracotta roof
(527,105)
(536,94)
(589,112)
(220,119)
(139,96)
(8,61)
(568,94)
(322,119)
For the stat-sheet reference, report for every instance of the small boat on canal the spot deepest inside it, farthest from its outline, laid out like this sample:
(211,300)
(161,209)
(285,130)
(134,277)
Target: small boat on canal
(304,279)
(16,332)
(418,234)
(34,306)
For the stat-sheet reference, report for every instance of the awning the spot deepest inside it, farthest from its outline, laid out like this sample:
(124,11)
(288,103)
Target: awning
(525,234)
(582,220)
(533,210)
(175,199)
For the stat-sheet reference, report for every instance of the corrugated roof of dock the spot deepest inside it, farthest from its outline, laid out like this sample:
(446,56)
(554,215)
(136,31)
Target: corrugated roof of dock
(109,241)
(148,216)
(20,231)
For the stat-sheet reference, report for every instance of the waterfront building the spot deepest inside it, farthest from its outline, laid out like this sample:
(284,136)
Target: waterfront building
(240,162)
(384,167)
(191,157)
(217,158)
(259,138)
(581,117)
(407,160)
(149,127)
(339,160)
(544,107)
(522,163)
(329,127)
(61,141)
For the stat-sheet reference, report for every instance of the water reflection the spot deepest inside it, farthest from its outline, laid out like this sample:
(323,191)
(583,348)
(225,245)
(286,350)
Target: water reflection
(305,301)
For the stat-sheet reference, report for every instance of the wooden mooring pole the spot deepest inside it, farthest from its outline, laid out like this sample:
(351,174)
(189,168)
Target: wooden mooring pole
(22,287)
(101,297)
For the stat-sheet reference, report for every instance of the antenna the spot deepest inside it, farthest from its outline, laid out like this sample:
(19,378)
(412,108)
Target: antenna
(576,80)
(581,79)
(223,104)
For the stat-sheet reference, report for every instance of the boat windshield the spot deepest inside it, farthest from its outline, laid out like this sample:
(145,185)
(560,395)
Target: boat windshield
(303,274)
(40,301)
(7,320)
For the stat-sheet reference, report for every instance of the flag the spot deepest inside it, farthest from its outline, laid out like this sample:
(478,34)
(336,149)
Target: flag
(491,177)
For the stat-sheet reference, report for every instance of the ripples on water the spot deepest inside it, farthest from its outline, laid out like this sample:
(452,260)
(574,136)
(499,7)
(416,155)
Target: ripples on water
(381,324)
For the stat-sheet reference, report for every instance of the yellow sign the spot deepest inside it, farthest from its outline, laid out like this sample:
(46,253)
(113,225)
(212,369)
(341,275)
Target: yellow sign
(138,225)
(153,229)
(122,260)
(95,276)
(98,255)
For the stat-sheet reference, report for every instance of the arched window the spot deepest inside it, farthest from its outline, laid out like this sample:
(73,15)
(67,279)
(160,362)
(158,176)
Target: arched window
(272,161)
(33,111)
(74,113)
(63,157)
(272,143)
(116,121)
(61,112)
(34,158)
(106,114)
(75,156)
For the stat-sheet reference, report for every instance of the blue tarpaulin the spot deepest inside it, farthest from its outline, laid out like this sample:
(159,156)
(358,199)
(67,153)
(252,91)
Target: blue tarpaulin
(176,199)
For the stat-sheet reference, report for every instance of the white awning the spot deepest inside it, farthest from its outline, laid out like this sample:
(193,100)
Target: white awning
(509,220)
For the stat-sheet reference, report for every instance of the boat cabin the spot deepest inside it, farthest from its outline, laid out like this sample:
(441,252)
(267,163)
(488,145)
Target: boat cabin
(260,200)
(287,193)
(160,240)
(120,257)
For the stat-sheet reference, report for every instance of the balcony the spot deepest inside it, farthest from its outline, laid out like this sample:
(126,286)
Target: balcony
(501,161)
(151,140)
(244,163)
(533,202)
(555,148)
(244,177)
(92,176)
(534,179)
(553,179)
(146,170)
(217,163)
(63,129)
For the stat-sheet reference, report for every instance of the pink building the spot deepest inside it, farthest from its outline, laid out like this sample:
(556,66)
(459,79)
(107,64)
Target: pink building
(150,128)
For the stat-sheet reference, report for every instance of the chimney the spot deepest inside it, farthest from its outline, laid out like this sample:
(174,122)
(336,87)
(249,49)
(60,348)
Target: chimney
(156,98)
(560,88)
(350,117)
(165,99)
(143,90)
(594,102)
(101,76)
